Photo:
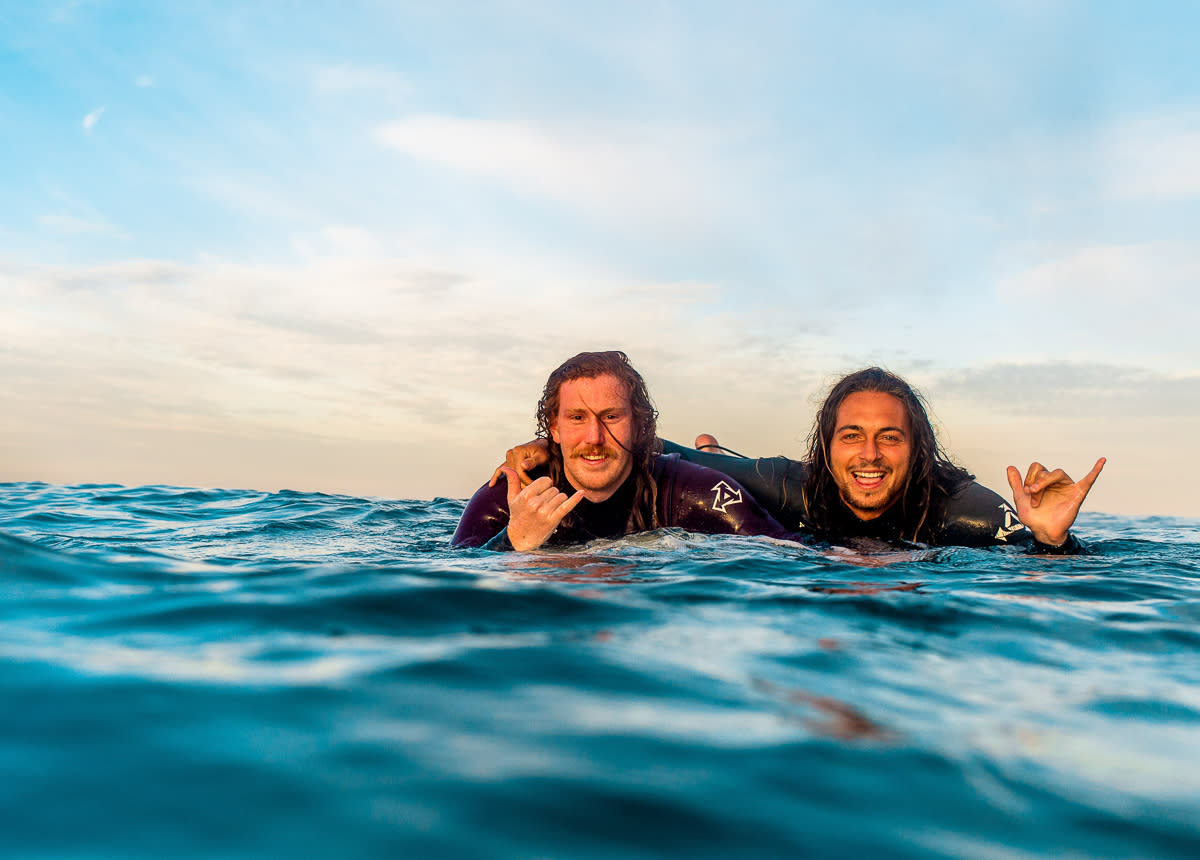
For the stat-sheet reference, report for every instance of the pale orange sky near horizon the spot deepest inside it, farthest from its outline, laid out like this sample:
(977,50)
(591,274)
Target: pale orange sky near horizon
(344,257)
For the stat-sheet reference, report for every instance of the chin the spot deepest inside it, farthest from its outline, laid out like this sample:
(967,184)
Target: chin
(593,484)
(868,506)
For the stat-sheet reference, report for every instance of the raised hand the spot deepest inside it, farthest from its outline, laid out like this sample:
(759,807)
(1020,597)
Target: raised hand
(535,511)
(1048,501)
(522,458)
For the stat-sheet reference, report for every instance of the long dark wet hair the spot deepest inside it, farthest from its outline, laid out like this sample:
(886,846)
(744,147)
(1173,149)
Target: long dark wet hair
(589,365)
(930,473)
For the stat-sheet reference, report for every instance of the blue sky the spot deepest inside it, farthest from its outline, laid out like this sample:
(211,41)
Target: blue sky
(268,245)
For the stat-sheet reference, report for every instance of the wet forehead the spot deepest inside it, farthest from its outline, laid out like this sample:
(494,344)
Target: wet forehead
(593,394)
(872,411)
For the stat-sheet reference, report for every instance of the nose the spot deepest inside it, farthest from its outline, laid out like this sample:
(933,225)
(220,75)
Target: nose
(594,432)
(870,451)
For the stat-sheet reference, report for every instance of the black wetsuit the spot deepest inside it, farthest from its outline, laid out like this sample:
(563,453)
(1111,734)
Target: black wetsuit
(690,496)
(969,515)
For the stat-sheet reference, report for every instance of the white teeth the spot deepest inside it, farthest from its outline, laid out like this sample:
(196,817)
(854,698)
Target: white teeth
(869,476)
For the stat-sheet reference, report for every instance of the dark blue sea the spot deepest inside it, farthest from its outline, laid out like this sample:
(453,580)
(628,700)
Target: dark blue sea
(221,673)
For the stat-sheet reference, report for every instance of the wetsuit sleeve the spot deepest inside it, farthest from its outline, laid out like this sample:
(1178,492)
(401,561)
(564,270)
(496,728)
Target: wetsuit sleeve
(977,516)
(1071,546)
(484,521)
(500,543)
(701,499)
(775,482)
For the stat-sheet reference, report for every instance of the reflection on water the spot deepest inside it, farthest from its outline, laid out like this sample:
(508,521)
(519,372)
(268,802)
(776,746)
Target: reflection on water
(574,568)
(834,718)
(865,587)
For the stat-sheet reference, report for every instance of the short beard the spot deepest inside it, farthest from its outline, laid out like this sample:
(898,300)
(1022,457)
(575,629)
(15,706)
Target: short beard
(883,504)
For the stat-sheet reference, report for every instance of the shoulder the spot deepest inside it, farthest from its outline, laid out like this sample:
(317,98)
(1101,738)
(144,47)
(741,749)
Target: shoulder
(670,469)
(973,492)
(977,516)
(701,499)
(485,515)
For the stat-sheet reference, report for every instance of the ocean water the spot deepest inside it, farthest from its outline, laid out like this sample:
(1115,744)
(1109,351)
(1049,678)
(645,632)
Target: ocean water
(216,673)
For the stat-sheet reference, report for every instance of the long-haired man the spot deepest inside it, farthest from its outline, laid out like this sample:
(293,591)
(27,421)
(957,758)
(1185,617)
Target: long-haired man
(604,477)
(874,469)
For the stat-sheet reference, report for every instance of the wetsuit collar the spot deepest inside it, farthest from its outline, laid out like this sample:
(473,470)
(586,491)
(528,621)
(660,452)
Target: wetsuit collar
(606,519)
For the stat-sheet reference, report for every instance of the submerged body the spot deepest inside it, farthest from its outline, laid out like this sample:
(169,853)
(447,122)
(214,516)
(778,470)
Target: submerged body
(687,495)
(968,515)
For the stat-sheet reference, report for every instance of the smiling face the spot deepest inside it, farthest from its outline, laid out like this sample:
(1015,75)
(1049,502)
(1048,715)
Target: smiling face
(870,453)
(594,428)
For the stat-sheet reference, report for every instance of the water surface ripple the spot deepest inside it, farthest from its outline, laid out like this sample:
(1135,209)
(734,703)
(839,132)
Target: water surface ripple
(200,673)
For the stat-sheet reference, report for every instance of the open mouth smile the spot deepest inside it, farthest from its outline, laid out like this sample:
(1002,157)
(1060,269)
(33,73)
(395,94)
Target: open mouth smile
(593,458)
(868,479)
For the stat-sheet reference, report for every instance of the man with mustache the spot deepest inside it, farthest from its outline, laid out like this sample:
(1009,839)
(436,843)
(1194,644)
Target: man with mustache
(603,475)
(875,471)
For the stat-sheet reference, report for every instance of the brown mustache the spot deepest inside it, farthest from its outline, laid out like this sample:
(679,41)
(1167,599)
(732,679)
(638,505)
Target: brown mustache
(582,452)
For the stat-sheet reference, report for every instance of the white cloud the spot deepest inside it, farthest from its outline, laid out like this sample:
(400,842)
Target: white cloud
(1119,274)
(396,357)
(347,241)
(643,172)
(409,378)
(254,194)
(1060,389)
(1131,303)
(89,121)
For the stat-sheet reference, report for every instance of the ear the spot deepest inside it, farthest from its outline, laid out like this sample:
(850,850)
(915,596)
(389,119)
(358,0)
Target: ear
(554,432)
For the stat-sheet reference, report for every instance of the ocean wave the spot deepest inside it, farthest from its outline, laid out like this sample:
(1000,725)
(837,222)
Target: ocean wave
(321,674)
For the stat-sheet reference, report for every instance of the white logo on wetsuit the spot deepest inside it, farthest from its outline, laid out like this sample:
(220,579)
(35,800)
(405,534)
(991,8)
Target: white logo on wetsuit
(1011,523)
(725,496)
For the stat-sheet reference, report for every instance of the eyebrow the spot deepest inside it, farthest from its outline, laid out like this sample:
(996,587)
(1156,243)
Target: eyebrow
(578,410)
(859,428)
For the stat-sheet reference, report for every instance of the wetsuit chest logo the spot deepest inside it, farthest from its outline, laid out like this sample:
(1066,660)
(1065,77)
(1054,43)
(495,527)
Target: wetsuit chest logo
(1011,523)
(725,496)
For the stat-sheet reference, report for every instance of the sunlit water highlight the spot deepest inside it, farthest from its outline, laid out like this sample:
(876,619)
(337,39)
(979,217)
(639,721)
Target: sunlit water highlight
(213,673)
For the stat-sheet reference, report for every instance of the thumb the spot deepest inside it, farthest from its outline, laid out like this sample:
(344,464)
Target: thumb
(514,483)
(1014,479)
